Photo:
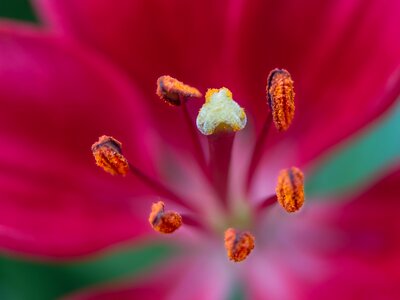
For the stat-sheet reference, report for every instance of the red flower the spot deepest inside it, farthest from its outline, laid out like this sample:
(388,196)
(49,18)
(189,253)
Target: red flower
(92,71)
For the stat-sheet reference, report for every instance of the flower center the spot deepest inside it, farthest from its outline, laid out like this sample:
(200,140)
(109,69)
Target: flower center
(219,120)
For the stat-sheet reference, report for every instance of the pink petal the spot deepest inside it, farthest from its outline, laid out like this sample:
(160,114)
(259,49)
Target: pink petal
(56,101)
(345,250)
(185,278)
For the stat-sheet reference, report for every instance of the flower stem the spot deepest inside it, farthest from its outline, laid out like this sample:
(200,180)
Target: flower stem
(160,188)
(257,151)
(195,137)
(220,147)
(193,222)
(262,206)
(267,202)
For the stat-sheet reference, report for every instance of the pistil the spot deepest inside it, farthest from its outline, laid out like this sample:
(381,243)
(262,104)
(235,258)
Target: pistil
(219,118)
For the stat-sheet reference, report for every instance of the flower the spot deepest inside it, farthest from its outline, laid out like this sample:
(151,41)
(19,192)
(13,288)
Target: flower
(66,85)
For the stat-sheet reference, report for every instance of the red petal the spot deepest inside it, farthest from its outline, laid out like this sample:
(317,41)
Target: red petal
(149,39)
(341,54)
(56,101)
(349,250)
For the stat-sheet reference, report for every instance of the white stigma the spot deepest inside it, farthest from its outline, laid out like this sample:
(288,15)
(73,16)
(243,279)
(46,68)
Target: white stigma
(220,112)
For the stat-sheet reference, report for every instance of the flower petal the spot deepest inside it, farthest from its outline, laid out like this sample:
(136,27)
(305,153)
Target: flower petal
(196,278)
(148,39)
(351,251)
(341,55)
(346,48)
(56,100)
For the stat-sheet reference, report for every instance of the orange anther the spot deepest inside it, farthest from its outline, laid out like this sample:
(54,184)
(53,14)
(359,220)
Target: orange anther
(238,245)
(107,153)
(290,189)
(280,96)
(172,90)
(164,221)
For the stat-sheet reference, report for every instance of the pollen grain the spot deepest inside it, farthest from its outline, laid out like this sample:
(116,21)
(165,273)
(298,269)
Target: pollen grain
(164,221)
(172,90)
(238,245)
(108,156)
(290,189)
(280,97)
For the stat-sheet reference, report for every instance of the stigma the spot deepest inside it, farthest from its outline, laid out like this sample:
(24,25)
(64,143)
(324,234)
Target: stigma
(173,91)
(290,189)
(164,221)
(238,245)
(280,97)
(108,156)
(220,113)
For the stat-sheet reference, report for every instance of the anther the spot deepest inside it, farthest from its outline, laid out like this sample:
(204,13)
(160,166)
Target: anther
(107,153)
(172,90)
(280,97)
(220,113)
(238,244)
(164,221)
(290,189)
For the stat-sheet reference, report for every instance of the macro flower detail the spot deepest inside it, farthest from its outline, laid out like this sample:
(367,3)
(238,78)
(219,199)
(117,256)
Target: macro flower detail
(107,59)
(238,244)
(219,119)
(280,97)
(173,91)
(164,221)
(290,189)
(220,113)
(108,156)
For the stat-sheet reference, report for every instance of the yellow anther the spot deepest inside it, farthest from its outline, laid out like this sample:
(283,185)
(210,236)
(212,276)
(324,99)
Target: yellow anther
(107,153)
(290,189)
(172,90)
(280,96)
(238,245)
(220,113)
(162,221)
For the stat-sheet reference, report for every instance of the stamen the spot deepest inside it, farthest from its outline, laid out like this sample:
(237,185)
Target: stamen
(160,188)
(172,91)
(220,113)
(280,97)
(162,221)
(265,203)
(176,93)
(290,189)
(107,153)
(195,139)
(238,245)
(258,151)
